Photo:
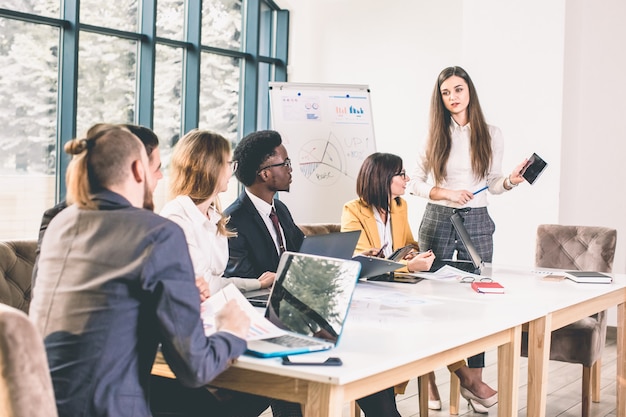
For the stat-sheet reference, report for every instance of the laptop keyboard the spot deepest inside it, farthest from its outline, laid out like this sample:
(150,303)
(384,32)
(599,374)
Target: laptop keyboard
(292,341)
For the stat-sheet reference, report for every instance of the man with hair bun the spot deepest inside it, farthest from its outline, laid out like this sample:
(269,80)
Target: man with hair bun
(150,142)
(114,282)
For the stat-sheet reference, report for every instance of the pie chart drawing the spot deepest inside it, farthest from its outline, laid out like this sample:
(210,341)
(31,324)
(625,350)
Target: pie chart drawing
(321,162)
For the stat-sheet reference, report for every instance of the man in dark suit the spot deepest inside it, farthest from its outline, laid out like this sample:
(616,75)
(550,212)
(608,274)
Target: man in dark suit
(264,168)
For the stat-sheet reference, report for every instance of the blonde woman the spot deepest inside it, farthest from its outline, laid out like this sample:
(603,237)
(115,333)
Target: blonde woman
(200,169)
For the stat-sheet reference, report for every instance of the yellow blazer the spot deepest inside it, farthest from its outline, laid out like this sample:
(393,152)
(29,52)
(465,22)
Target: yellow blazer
(358,216)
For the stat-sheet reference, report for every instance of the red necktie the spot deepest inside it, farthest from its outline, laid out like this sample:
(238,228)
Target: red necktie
(274,219)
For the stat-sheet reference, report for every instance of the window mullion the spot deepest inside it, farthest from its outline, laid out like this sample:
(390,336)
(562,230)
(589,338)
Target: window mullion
(191,66)
(144,102)
(68,86)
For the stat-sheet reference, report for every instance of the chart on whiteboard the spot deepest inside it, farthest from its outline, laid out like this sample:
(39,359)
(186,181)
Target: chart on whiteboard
(328,132)
(322,162)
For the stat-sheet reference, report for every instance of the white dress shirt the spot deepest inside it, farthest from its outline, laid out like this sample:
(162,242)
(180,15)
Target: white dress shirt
(459,174)
(384,231)
(264,210)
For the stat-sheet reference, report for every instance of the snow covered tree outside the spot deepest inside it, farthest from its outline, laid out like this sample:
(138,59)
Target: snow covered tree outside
(109,67)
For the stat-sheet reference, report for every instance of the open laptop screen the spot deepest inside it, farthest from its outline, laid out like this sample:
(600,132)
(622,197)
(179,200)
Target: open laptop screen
(312,294)
(457,222)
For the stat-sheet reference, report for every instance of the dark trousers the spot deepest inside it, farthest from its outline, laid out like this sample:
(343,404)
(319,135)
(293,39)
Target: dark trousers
(168,398)
(381,404)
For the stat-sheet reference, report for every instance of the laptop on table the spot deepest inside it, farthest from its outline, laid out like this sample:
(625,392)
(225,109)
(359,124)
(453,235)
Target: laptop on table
(310,300)
(336,245)
(475,264)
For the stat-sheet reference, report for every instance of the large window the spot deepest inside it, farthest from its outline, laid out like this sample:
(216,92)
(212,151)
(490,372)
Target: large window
(171,65)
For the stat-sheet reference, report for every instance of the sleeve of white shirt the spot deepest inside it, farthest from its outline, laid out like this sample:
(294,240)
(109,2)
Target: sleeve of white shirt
(200,265)
(418,184)
(243,284)
(495,178)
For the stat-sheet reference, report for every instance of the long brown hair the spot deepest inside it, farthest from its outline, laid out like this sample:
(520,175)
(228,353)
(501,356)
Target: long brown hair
(197,163)
(439,138)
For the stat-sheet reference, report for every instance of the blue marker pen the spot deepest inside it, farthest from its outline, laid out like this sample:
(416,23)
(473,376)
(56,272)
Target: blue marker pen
(481,190)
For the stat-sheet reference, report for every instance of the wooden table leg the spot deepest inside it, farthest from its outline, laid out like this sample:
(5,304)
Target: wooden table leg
(422,394)
(455,394)
(538,357)
(508,374)
(323,400)
(621,360)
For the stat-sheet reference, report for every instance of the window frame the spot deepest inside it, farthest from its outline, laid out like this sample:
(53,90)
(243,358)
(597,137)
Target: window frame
(249,101)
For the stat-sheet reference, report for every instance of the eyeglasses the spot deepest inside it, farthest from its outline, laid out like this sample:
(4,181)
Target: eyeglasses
(233,165)
(469,280)
(286,163)
(401,174)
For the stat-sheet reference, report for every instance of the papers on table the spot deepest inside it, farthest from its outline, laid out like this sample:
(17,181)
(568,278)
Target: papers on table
(260,327)
(447,273)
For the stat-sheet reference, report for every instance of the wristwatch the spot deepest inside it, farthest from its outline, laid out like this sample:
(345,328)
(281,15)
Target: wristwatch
(509,184)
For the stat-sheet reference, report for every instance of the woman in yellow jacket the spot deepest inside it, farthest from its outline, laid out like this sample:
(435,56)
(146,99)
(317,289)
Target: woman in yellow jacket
(380,213)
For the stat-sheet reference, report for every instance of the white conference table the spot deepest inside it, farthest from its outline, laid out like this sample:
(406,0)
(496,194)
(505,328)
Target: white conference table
(396,332)
(393,334)
(561,302)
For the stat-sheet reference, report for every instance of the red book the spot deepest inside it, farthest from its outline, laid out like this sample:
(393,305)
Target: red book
(487,287)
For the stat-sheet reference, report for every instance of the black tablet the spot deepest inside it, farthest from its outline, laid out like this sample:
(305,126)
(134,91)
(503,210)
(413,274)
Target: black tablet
(533,168)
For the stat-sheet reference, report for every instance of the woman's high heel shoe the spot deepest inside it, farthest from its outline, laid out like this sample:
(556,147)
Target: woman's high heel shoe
(477,408)
(475,402)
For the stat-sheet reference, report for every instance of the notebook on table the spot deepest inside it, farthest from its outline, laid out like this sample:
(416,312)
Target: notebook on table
(310,300)
(336,245)
(475,264)
(588,277)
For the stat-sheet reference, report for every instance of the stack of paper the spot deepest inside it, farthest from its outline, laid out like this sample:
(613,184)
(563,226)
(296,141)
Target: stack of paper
(260,327)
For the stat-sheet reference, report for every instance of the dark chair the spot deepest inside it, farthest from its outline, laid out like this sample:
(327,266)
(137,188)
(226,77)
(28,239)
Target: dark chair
(578,248)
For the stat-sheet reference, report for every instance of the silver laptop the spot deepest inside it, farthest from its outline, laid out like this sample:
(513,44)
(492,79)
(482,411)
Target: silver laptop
(475,264)
(336,245)
(310,301)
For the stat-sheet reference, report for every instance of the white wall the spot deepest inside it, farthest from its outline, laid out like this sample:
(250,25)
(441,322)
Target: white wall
(513,52)
(549,74)
(593,175)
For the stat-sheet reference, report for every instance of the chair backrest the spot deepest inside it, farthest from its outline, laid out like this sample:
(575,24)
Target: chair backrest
(310,229)
(16,268)
(25,384)
(587,248)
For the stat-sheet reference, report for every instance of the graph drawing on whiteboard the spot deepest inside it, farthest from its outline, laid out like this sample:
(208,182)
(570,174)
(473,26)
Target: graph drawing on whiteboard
(321,161)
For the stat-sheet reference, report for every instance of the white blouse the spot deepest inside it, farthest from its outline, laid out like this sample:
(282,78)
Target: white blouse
(207,247)
(459,169)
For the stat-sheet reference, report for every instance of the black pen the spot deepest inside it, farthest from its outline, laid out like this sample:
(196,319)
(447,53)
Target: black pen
(380,251)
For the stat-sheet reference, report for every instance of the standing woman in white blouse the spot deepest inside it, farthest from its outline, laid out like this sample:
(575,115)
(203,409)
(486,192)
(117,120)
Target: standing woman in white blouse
(460,164)
(200,169)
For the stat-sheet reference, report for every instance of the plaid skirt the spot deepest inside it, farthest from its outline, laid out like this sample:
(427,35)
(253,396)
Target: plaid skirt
(437,233)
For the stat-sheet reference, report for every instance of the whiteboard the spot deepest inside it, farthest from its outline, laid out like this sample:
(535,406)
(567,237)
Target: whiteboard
(328,131)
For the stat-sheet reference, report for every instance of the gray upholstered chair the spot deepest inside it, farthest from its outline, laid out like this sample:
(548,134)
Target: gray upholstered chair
(16,268)
(25,385)
(310,229)
(578,248)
